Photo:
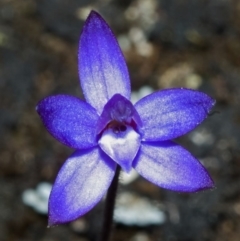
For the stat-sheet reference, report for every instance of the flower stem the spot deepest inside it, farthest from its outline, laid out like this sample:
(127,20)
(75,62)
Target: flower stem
(109,207)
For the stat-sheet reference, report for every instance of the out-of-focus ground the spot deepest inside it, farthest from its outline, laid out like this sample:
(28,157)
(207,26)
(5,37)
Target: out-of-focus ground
(167,43)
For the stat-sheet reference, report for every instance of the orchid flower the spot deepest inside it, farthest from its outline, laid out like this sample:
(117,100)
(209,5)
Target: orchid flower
(108,130)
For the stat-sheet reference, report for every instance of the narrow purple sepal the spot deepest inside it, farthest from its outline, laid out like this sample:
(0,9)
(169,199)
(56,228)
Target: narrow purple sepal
(171,113)
(170,166)
(70,120)
(102,67)
(121,110)
(81,183)
(121,146)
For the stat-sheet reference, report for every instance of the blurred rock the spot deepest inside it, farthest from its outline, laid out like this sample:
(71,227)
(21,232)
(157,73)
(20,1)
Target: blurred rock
(142,92)
(38,199)
(133,210)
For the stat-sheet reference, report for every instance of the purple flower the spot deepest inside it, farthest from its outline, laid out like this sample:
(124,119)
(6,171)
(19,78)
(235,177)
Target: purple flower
(108,129)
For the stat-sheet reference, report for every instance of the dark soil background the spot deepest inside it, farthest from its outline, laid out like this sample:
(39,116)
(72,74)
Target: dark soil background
(167,43)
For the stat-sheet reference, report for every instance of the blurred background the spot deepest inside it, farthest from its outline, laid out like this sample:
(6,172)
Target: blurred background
(167,43)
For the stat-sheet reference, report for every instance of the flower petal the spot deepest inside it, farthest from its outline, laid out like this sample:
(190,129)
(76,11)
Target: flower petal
(70,120)
(121,110)
(170,166)
(171,113)
(80,185)
(102,68)
(121,146)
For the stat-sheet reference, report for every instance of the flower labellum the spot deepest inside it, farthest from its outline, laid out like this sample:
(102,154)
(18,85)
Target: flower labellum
(108,130)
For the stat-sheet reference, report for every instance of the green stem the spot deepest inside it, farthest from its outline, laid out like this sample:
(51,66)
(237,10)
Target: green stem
(109,207)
